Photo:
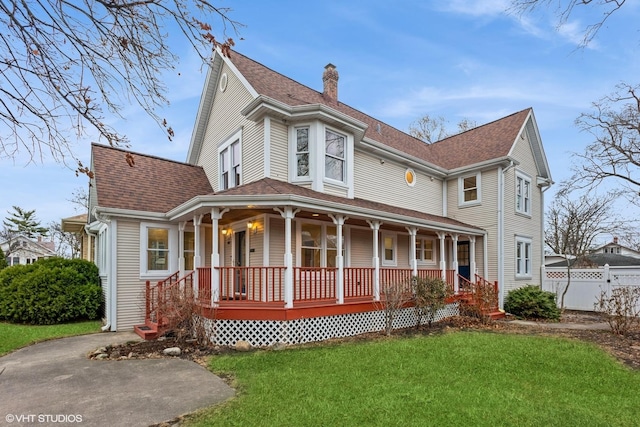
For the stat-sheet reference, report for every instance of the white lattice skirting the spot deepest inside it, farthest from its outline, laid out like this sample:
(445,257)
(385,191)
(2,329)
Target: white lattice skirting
(263,333)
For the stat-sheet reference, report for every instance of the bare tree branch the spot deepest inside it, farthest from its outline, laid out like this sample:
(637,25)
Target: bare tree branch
(66,65)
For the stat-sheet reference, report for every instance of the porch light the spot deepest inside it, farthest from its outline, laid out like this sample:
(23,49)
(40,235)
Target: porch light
(253,226)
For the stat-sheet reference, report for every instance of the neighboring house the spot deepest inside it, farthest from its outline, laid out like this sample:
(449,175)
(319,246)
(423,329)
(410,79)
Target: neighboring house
(596,260)
(20,250)
(76,225)
(614,247)
(294,210)
(555,258)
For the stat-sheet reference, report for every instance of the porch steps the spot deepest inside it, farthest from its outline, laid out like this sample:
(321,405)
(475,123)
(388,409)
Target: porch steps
(147,331)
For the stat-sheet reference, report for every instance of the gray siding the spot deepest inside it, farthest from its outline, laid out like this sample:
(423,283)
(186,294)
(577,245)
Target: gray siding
(279,151)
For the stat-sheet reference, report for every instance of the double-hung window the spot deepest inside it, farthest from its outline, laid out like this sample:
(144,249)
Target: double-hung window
(230,164)
(319,246)
(389,249)
(424,250)
(158,249)
(334,158)
(469,190)
(523,257)
(523,194)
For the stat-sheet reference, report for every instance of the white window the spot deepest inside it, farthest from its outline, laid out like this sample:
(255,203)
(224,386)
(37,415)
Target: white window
(334,158)
(469,190)
(425,250)
(523,257)
(523,194)
(389,249)
(319,246)
(230,164)
(189,249)
(158,250)
(302,152)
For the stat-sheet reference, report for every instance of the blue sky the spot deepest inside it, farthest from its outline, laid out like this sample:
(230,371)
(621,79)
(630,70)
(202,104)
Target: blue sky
(397,61)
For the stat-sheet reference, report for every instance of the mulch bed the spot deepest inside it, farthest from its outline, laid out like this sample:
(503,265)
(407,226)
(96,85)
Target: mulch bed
(624,348)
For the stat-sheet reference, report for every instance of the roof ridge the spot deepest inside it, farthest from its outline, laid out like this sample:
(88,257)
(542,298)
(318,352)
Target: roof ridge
(136,153)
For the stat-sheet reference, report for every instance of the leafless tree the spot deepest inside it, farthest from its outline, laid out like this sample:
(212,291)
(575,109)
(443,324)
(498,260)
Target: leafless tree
(614,155)
(67,244)
(432,129)
(64,64)
(572,226)
(80,199)
(564,9)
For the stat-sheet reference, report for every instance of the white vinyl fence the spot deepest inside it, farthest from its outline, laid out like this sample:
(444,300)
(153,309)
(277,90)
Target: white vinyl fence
(587,283)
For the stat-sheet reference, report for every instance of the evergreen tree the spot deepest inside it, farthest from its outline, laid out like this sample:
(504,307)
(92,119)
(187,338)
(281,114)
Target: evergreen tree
(24,222)
(3,260)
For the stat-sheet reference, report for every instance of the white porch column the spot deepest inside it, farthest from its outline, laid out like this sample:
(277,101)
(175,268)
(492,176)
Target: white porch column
(288,214)
(197,220)
(339,220)
(181,226)
(472,257)
(454,243)
(443,258)
(375,226)
(216,215)
(412,245)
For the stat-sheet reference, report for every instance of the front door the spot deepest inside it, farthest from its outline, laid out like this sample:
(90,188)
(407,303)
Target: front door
(240,261)
(464,264)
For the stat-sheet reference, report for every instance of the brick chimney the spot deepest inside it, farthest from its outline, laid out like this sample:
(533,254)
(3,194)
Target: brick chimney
(330,81)
(615,240)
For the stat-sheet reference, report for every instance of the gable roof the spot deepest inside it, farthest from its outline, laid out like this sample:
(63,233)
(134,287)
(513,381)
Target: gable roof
(152,184)
(23,243)
(492,141)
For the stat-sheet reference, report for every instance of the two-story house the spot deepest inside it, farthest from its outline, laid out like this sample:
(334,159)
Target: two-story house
(293,210)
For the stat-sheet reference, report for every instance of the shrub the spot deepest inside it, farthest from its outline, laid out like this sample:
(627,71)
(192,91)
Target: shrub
(50,291)
(3,261)
(531,302)
(621,306)
(430,295)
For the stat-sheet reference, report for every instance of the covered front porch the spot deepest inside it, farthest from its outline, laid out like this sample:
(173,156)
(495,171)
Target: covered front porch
(288,256)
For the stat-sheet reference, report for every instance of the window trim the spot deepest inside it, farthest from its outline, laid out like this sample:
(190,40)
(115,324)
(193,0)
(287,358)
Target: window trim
(524,178)
(386,262)
(523,242)
(422,259)
(461,190)
(324,247)
(294,153)
(172,259)
(227,146)
(344,159)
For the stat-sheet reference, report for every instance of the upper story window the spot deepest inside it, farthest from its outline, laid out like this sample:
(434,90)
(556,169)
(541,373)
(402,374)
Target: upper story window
(334,159)
(469,190)
(523,257)
(424,250)
(523,194)
(302,152)
(230,164)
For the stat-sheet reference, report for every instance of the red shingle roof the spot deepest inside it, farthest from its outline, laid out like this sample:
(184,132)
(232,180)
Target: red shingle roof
(152,184)
(493,140)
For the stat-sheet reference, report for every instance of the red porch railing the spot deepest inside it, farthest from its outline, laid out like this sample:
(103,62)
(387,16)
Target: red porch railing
(161,296)
(266,284)
(314,283)
(259,284)
(358,282)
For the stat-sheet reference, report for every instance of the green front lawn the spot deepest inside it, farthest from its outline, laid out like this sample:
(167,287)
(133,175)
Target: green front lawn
(455,379)
(13,336)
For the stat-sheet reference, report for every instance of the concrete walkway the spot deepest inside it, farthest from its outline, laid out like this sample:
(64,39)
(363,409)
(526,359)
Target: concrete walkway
(584,326)
(53,383)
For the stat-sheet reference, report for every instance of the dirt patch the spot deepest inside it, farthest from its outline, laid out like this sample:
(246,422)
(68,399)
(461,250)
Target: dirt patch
(626,349)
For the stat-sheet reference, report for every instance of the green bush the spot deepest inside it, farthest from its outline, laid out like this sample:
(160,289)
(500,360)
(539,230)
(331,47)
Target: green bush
(50,291)
(3,261)
(531,302)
